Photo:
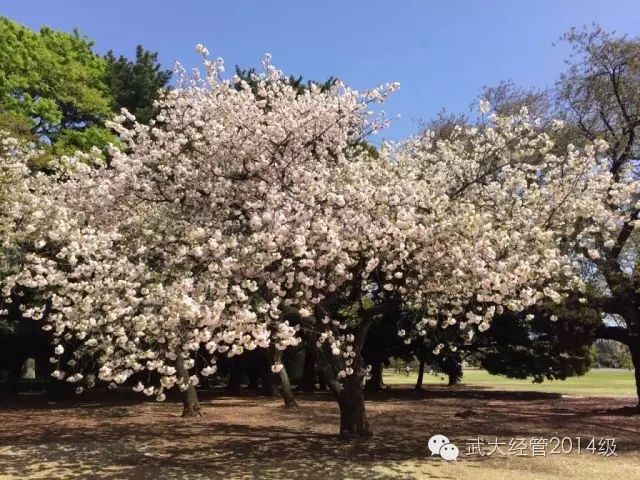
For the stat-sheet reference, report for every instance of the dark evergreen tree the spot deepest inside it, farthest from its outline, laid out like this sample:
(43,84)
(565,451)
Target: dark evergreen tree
(538,348)
(135,84)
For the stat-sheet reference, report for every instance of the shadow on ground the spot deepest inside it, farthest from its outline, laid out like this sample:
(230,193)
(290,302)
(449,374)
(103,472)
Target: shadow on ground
(255,437)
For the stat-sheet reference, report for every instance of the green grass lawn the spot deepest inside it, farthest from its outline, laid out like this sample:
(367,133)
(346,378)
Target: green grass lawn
(601,382)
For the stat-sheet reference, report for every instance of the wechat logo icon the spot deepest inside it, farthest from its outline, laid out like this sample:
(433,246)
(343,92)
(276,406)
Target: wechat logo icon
(440,445)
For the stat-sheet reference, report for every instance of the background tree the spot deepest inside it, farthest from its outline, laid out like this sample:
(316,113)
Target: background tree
(599,96)
(519,347)
(252,78)
(54,87)
(57,84)
(611,354)
(56,94)
(134,84)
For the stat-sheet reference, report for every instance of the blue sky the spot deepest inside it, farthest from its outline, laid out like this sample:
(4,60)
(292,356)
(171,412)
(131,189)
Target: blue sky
(441,52)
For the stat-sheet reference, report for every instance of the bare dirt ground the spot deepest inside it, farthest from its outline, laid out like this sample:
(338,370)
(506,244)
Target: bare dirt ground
(255,437)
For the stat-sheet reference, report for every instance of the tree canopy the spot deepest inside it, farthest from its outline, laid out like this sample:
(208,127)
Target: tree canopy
(250,212)
(55,88)
(56,83)
(134,84)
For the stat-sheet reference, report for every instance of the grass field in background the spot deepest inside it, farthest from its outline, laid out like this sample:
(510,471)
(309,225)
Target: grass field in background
(601,382)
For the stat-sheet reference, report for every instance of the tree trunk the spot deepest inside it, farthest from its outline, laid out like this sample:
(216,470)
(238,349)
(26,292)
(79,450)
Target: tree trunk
(253,384)
(282,379)
(375,383)
(10,387)
(323,383)
(420,376)
(635,358)
(622,335)
(190,404)
(268,388)
(308,383)
(353,417)
(235,376)
(349,392)
(285,389)
(453,367)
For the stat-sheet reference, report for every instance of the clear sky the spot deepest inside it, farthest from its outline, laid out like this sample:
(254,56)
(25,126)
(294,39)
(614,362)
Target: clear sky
(441,52)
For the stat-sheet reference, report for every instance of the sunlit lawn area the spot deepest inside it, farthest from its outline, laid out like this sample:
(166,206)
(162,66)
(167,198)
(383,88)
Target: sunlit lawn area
(600,382)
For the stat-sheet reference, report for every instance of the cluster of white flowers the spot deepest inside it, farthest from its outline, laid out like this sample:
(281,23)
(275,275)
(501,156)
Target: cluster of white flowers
(234,208)
(15,200)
